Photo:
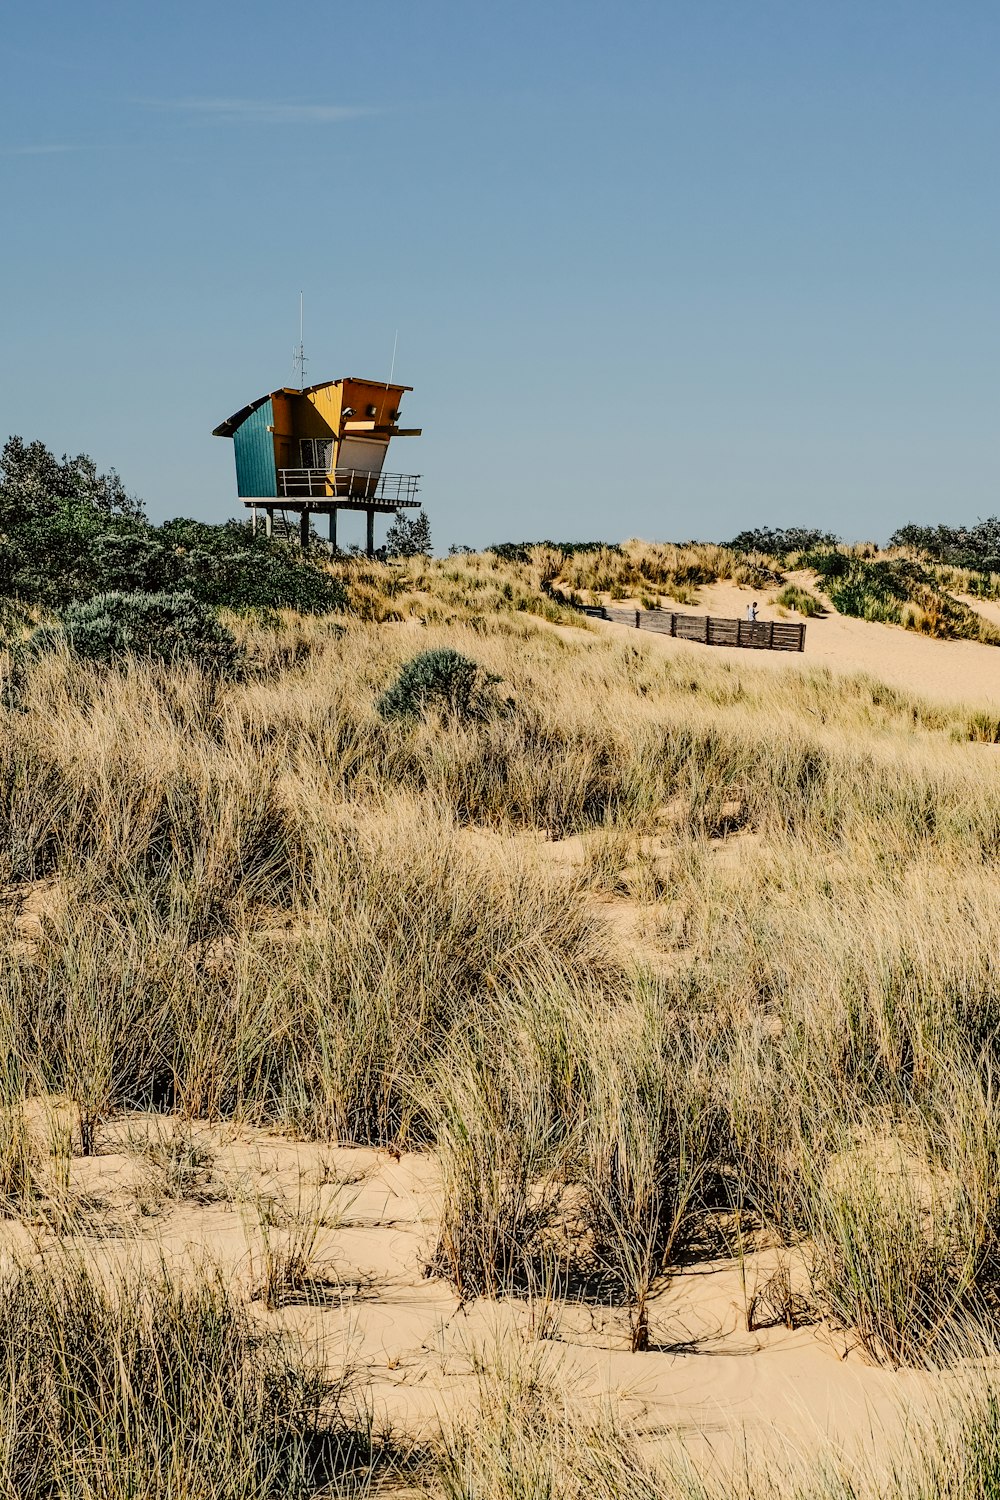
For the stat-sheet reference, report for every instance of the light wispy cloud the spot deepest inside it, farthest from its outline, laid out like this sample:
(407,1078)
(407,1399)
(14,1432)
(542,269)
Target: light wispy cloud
(261,111)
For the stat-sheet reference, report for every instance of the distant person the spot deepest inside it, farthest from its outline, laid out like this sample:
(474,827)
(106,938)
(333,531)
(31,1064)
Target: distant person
(752,612)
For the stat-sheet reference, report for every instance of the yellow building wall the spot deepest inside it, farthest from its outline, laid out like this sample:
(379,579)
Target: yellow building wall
(312,414)
(317,414)
(323,408)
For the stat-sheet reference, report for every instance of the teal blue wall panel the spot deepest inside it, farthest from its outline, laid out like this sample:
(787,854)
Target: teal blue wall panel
(255,473)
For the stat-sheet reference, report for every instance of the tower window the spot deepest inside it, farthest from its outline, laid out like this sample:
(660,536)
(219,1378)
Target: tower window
(316,453)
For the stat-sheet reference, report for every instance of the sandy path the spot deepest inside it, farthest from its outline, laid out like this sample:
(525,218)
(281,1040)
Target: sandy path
(962,672)
(988,608)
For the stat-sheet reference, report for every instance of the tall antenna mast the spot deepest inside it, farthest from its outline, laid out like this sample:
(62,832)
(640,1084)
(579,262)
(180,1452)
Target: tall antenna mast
(392,367)
(299,355)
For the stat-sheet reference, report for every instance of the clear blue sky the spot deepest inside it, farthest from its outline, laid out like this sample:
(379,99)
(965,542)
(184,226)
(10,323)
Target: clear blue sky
(662,269)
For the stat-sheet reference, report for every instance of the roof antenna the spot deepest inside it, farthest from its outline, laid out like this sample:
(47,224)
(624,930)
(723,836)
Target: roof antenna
(299,360)
(392,367)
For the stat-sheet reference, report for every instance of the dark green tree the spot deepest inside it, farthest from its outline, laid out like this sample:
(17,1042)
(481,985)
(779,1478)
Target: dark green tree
(960,546)
(68,532)
(34,483)
(409,536)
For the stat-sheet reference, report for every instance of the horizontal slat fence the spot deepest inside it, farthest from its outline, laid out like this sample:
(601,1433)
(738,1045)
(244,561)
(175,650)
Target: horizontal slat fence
(759,635)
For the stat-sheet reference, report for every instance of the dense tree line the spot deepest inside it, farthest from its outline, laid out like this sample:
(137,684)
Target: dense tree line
(776,541)
(960,546)
(976,547)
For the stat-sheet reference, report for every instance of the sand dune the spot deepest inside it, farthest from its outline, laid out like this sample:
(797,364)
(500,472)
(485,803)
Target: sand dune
(371,1217)
(706,1382)
(963,672)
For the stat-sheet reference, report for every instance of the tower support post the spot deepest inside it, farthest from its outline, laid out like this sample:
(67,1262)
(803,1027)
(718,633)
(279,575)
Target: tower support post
(303,528)
(333,529)
(370,547)
(268,520)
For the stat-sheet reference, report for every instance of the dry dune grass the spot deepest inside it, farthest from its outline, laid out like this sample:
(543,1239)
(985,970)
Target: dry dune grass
(266,905)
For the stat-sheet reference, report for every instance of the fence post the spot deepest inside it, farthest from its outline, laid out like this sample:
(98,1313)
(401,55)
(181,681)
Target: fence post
(637,619)
(770,638)
(673,623)
(706,629)
(802,637)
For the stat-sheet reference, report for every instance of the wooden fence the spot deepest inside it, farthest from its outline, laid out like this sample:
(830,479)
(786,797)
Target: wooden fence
(760,635)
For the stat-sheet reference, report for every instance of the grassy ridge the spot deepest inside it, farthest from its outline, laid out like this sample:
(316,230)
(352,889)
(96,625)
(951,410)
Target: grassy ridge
(895,587)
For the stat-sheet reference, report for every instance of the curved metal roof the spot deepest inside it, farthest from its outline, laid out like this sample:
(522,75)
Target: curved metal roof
(229,426)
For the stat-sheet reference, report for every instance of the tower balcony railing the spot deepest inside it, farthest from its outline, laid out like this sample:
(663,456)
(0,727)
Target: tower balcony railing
(349,484)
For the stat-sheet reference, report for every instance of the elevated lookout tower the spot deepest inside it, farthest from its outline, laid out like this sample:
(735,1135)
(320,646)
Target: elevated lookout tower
(321,450)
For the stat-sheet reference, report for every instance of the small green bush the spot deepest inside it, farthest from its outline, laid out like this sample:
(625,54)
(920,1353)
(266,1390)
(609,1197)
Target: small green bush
(232,565)
(409,536)
(801,600)
(984,728)
(164,627)
(441,679)
(827,564)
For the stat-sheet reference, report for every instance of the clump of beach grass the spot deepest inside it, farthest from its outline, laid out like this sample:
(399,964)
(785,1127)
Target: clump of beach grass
(161,1387)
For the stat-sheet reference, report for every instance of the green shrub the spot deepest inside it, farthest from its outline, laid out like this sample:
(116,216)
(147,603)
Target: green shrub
(975,546)
(232,565)
(441,679)
(133,561)
(520,552)
(828,564)
(163,627)
(794,597)
(898,591)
